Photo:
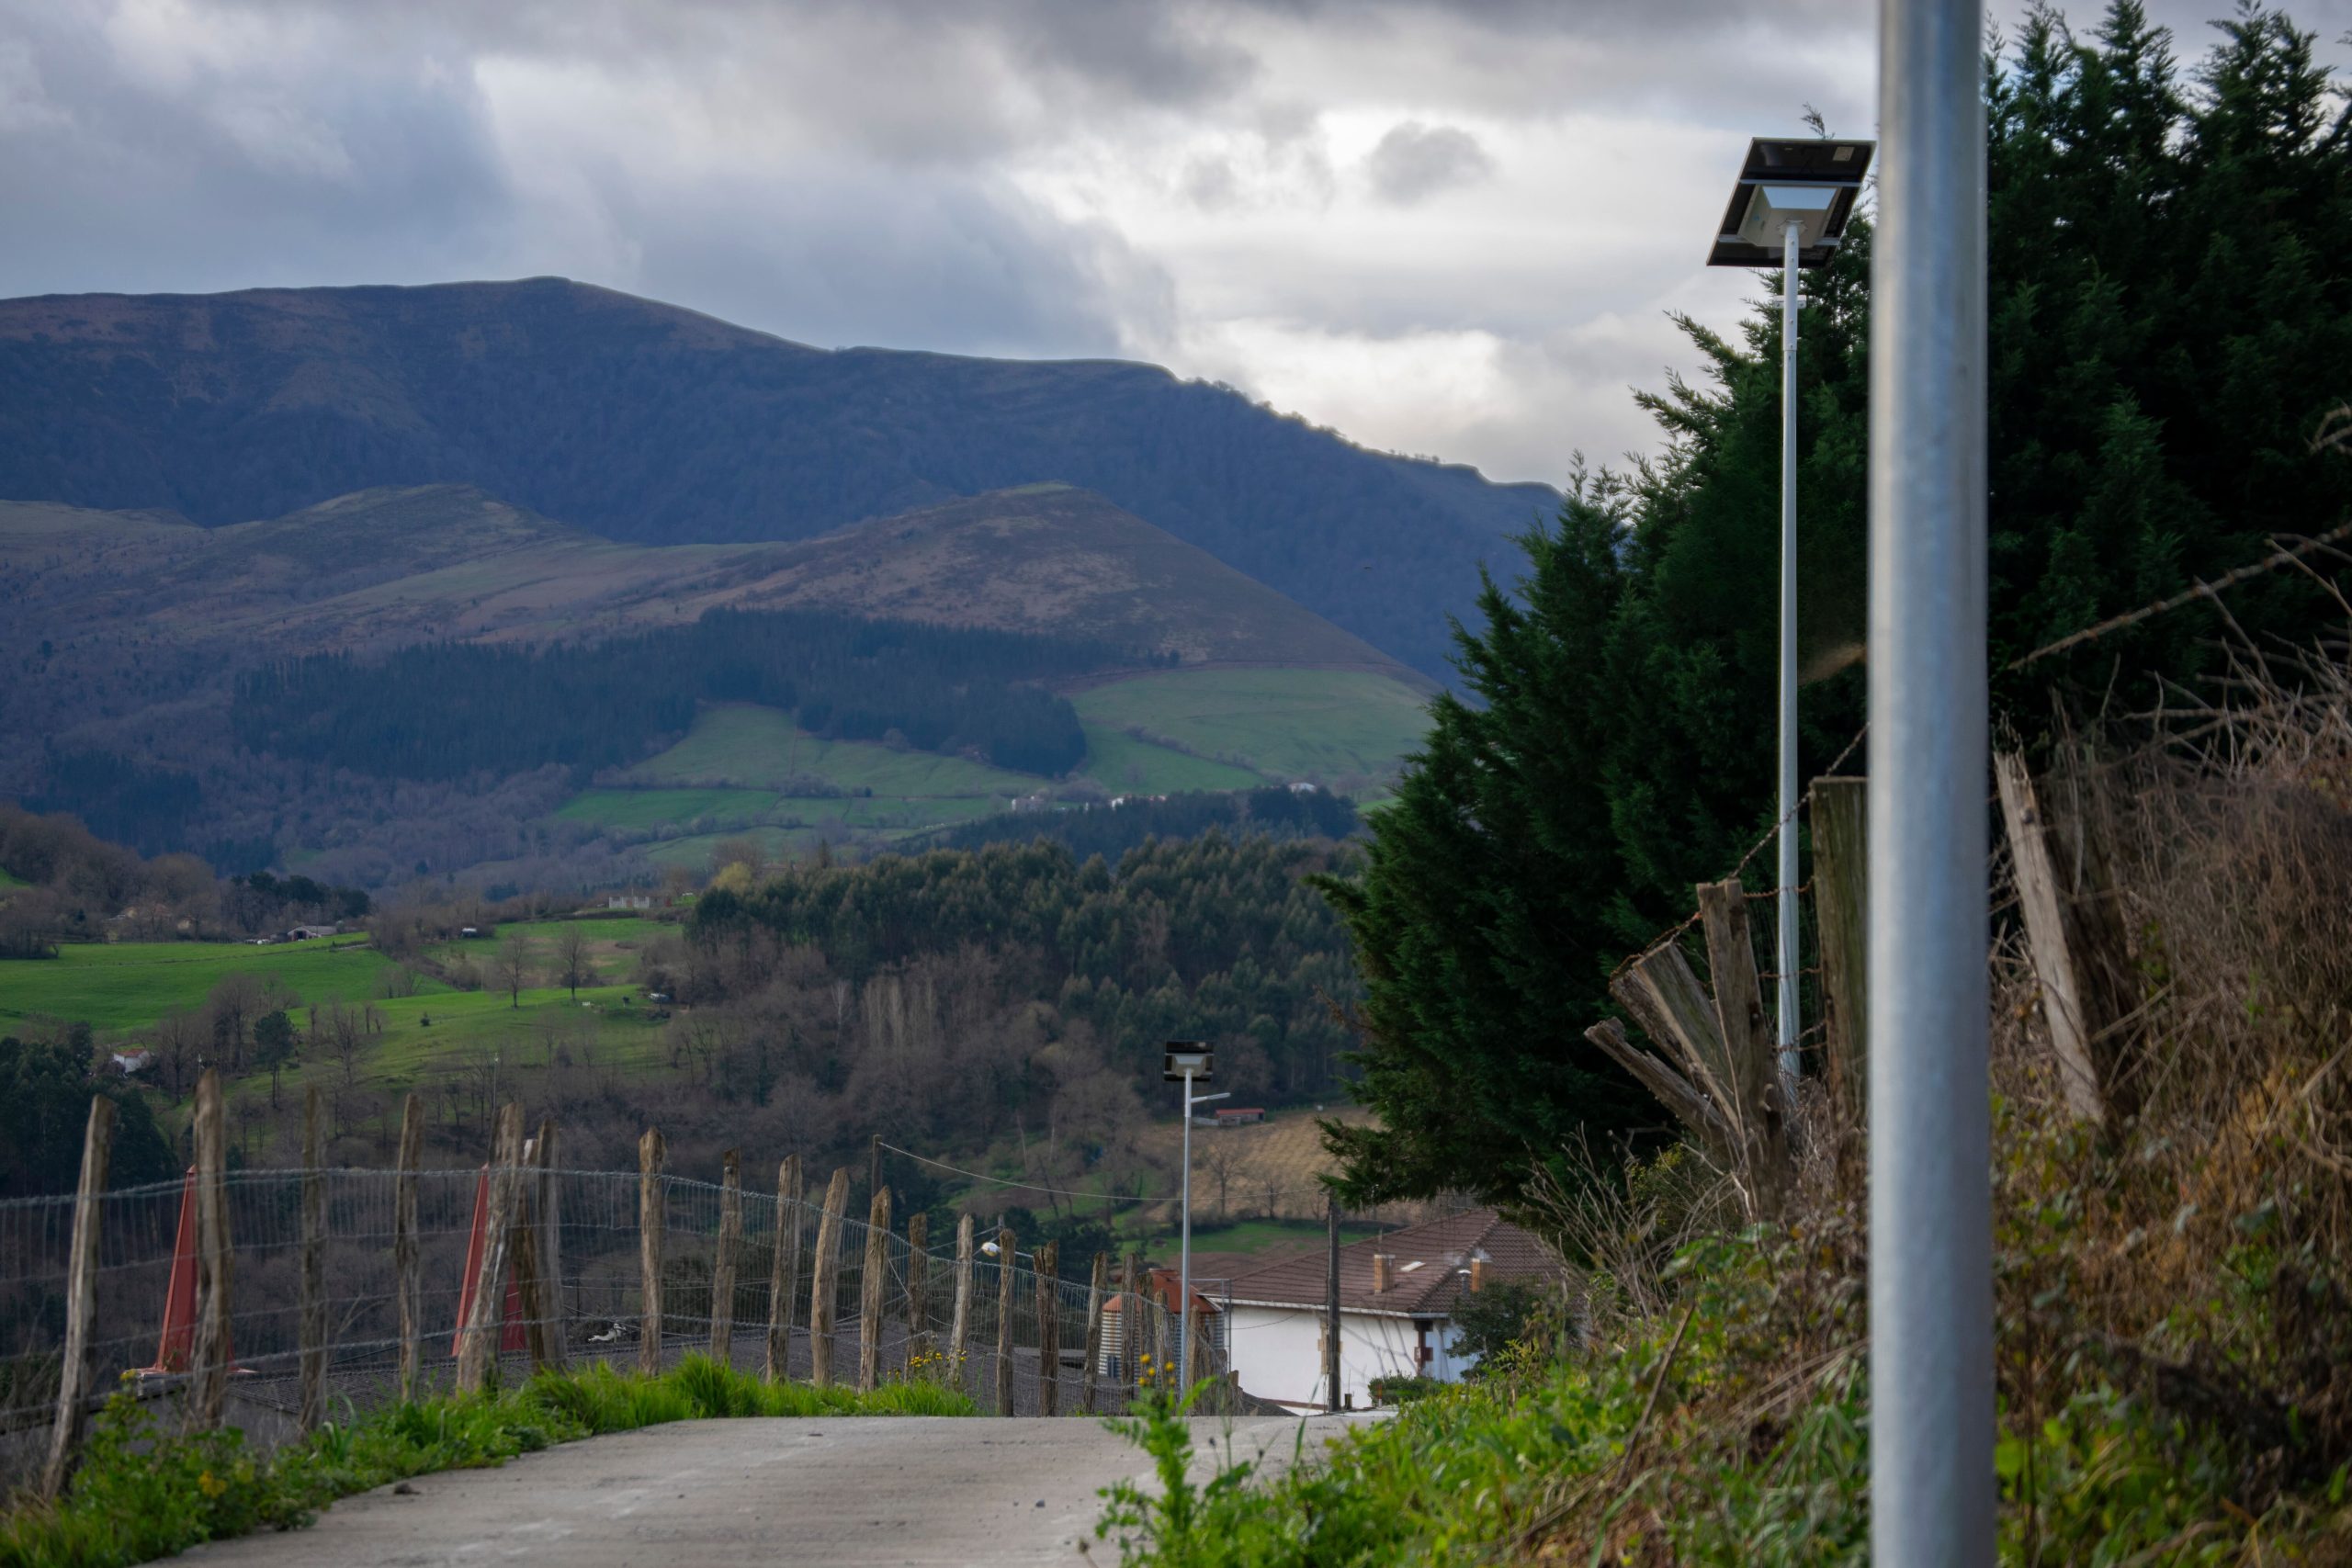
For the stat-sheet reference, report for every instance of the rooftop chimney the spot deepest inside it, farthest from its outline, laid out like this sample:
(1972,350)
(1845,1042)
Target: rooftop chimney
(1478,1275)
(1380,1273)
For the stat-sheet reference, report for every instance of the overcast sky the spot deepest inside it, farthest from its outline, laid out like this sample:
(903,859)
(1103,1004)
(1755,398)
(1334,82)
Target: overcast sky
(1449,227)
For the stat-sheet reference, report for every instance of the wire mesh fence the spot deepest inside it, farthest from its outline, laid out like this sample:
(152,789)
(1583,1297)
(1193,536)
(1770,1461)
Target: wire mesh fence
(585,1232)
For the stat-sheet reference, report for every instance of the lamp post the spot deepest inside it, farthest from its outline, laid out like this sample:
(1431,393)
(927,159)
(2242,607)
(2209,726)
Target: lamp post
(1185,1062)
(1789,206)
(1932,1412)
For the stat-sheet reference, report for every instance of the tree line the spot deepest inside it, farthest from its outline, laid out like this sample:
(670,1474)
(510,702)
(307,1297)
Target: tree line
(2171,324)
(448,710)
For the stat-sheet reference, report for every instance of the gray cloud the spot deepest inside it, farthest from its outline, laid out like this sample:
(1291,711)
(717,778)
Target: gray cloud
(1230,187)
(1414,161)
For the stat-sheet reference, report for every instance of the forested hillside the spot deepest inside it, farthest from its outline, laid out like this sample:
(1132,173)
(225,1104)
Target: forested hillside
(645,423)
(2171,328)
(446,710)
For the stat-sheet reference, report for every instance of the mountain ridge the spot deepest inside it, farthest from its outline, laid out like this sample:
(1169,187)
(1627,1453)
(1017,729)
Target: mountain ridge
(649,422)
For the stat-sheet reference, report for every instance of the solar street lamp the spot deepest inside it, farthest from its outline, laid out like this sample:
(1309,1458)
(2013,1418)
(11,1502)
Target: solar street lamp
(1789,206)
(1187,1062)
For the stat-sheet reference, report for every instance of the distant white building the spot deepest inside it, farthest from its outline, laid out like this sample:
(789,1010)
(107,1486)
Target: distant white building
(1398,1293)
(629,901)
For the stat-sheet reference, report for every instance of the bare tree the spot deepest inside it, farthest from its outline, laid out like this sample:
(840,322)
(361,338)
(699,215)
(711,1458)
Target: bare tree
(344,1032)
(571,958)
(515,957)
(1222,1160)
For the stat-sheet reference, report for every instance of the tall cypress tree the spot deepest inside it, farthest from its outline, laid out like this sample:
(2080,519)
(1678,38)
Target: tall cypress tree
(2171,320)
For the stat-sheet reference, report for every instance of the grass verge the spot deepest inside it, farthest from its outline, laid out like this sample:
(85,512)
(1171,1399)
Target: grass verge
(143,1493)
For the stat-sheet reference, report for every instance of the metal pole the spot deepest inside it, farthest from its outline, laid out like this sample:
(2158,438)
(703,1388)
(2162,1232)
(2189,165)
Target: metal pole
(1785,952)
(1932,1486)
(1184,1257)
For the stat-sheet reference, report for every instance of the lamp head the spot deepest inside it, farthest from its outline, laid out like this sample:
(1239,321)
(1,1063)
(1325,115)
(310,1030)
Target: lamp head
(1182,1059)
(1812,183)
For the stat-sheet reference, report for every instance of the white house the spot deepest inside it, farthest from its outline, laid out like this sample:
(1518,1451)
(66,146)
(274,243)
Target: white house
(1397,1296)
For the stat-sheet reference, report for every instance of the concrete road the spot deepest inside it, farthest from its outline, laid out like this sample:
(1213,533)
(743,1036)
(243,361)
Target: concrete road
(842,1493)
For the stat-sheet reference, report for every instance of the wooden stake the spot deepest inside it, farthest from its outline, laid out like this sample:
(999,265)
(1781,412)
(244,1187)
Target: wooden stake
(1747,1037)
(652,1216)
(312,1320)
(209,1365)
(2074,950)
(1665,997)
(1049,1329)
(918,1285)
(1841,914)
(1005,1259)
(522,1256)
(1133,1335)
(1692,1108)
(74,1372)
(722,1267)
(959,1332)
(485,1324)
(822,1288)
(784,1278)
(872,1284)
(1096,1289)
(546,1222)
(405,1246)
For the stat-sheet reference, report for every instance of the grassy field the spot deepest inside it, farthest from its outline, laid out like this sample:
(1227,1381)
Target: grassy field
(1119,761)
(129,985)
(8,880)
(745,746)
(613,944)
(1283,1153)
(661,807)
(1287,723)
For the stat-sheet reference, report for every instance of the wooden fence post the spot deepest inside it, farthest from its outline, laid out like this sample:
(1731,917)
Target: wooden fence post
(1197,1364)
(784,1277)
(523,1258)
(1049,1329)
(722,1268)
(918,1285)
(873,1285)
(1163,1359)
(485,1324)
(74,1370)
(404,1247)
(1006,1260)
(209,1382)
(1841,916)
(652,1213)
(1133,1335)
(1748,1038)
(2077,948)
(546,1222)
(826,1280)
(312,1320)
(959,1331)
(1091,1387)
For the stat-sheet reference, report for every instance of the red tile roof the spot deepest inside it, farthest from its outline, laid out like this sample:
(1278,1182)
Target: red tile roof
(1428,1269)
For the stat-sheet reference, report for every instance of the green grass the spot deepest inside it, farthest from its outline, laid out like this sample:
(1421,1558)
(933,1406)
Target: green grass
(145,1492)
(9,879)
(1285,723)
(613,944)
(1122,762)
(661,807)
(127,985)
(1263,1236)
(744,747)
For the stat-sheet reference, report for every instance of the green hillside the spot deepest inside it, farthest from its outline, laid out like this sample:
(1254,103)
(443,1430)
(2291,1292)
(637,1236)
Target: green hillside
(740,746)
(1120,761)
(1286,723)
(129,985)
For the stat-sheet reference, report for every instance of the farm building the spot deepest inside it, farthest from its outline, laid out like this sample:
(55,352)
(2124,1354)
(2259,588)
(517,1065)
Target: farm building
(1397,1296)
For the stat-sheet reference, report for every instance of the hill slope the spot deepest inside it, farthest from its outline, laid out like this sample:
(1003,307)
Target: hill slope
(644,422)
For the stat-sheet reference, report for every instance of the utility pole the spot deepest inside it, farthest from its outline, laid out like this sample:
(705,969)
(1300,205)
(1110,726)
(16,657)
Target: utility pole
(1330,1306)
(1785,950)
(1932,1485)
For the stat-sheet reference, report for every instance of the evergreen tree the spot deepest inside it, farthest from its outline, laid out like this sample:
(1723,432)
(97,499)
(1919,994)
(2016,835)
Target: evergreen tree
(2171,320)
